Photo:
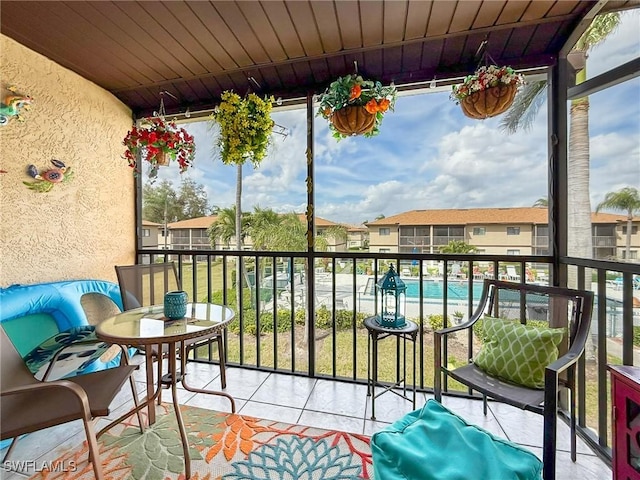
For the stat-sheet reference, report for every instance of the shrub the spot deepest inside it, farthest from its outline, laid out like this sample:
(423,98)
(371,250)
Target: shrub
(217,297)
(436,321)
(478,330)
(636,336)
(323,317)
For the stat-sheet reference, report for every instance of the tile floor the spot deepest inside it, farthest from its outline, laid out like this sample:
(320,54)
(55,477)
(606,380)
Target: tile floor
(320,403)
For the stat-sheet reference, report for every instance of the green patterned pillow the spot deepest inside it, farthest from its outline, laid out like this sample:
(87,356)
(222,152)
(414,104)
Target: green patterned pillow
(518,353)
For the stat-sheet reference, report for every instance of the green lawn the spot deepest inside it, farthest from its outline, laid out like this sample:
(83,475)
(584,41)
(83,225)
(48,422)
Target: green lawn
(201,279)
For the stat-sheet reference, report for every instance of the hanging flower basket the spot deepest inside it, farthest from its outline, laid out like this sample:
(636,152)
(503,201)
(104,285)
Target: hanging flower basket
(246,127)
(353,120)
(490,91)
(354,106)
(488,103)
(159,142)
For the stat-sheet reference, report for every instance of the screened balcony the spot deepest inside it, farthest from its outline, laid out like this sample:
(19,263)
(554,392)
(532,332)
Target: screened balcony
(93,66)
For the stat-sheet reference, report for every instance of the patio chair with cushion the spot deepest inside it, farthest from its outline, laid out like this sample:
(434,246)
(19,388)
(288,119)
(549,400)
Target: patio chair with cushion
(145,285)
(532,337)
(28,405)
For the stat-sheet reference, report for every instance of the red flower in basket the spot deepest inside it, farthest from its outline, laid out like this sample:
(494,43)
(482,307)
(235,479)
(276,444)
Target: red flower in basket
(158,142)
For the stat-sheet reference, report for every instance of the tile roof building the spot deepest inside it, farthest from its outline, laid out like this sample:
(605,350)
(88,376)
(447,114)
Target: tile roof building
(515,231)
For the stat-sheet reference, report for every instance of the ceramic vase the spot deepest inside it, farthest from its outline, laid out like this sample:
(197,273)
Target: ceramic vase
(175,304)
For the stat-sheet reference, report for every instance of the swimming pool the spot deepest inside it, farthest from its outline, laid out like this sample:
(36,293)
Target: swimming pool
(433,289)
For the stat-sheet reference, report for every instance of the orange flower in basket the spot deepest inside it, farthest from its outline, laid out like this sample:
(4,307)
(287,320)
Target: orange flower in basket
(371,106)
(383,105)
(350,97)
(356,91)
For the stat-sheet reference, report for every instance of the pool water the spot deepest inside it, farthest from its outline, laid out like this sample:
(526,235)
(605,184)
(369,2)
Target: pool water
(434,289)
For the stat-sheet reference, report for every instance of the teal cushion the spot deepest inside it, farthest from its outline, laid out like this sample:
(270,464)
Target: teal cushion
(518,353)
(433,443)
(26,332)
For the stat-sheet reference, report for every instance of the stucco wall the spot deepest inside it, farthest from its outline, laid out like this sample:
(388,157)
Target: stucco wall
(82,228)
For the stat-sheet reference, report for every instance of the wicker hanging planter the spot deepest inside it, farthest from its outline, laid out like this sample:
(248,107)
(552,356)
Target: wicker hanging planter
(162,159)
(353,120)
(490,102)
(490,91)
(355,106)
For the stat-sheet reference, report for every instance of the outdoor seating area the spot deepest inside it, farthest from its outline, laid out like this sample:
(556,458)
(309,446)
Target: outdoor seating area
(173,305)
(319,411)
(520,366)
(313,403)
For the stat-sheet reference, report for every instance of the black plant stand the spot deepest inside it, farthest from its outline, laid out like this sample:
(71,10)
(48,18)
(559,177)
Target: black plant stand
(377,332)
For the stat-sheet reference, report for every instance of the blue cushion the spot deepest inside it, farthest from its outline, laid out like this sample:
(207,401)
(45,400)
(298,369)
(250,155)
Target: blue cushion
(433,443)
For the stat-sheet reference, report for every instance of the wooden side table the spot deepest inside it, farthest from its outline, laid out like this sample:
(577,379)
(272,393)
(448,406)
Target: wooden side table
(625,396)
(378,332)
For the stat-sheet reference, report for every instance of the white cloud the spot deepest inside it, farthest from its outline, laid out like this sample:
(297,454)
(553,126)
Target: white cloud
(620,46)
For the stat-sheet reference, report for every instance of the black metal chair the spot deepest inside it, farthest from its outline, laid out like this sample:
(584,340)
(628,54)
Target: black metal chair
(145,285)
(559,307)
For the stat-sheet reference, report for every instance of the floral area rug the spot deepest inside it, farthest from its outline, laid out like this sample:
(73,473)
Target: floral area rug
(223,447)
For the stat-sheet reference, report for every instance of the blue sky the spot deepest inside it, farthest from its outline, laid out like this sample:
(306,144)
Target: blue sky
(429,155)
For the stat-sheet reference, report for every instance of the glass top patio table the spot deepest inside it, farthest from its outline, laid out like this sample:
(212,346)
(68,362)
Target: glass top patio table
(148,325)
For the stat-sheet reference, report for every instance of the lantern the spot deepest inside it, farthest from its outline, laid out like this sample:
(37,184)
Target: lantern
(391,300)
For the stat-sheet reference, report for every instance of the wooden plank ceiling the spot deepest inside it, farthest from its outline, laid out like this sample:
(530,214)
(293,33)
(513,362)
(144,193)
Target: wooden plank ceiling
(196,49)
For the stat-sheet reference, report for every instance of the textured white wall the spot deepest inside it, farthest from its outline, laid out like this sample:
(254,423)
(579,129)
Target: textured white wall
(80,229)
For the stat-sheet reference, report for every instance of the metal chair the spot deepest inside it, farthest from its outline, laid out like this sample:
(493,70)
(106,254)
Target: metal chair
(28,405)
(145,285)
(559,307)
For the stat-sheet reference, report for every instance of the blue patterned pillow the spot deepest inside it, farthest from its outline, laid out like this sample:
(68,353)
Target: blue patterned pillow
(74,360)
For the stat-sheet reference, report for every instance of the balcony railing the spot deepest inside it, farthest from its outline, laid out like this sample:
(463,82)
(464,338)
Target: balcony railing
(599,241)
(283,291)
(445,240)
(541,241)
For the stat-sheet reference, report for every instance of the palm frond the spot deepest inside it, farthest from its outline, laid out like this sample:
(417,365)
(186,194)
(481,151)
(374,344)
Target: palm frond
(525,107)
(601,27)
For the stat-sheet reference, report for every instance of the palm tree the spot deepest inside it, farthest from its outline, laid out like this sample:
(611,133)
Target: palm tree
(541,202)
(260,220)
(224,228)
(289,233)
(523,112)
(627,200)
(458,246)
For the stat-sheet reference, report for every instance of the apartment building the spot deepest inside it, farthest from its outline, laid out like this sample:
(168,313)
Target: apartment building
(192,234)
(357,237)
(500,231)
(151,234)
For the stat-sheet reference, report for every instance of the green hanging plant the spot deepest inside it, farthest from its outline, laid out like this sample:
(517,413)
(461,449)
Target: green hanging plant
(245,127)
